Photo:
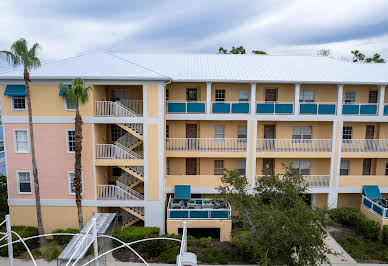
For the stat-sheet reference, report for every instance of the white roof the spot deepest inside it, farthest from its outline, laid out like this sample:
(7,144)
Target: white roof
(209,67)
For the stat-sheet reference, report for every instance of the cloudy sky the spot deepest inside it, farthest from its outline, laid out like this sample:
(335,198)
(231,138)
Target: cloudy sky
(70,27)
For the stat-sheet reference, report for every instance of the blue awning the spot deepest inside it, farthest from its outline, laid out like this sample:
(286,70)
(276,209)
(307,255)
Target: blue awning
(15,90)
(372,192)
(61,92)
(182,192)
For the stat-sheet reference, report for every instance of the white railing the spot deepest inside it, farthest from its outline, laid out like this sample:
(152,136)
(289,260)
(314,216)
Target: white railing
(206,144)
(115,151)
(127,179)
(138,127)
(375,207)
(183,248)
(109,108)
(127,140)
(126,217)
(130,190)
(231,107)
(139,210)
(137,169)
(311,180)
(111,192)
(365,145)
(135,106)
(293,145)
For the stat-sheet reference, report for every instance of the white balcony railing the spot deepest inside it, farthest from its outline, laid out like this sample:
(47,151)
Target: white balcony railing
(111,192)
(115,109)
(365,145)
(133,105)
(293,145)
(206,144)
(312,181)
(115,151)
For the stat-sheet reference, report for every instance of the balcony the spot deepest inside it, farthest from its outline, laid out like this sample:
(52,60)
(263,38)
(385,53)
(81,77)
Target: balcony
(118,192)
(357,181)
(312,181)
(318,108)
(116,155)
(293,148)
(201,209)
(123,108)
(274,108)
(230,107)
(195,181)
(385,109)
(182,107)
(365,148)
(360,109)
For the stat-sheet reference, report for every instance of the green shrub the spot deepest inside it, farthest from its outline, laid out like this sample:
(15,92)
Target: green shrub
(192,241)
(384,235)
(364,250)
(64,239)
(246,250)
(169,255)
(50,252)
(149,249)
(353,218)
(19,248)
(215,256)
(206,242)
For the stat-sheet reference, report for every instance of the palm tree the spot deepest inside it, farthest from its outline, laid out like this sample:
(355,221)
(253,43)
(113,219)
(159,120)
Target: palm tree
(20,55)
(77,94)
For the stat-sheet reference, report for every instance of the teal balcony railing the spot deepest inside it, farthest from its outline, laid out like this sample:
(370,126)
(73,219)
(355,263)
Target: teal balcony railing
(318,108)
(230,107)
(182,107)
(204,209)
(359,109)
(375,207)
(386,110)
(274,108)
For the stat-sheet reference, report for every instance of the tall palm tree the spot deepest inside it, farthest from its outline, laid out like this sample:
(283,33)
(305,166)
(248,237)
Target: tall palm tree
(77,94)
(21,55)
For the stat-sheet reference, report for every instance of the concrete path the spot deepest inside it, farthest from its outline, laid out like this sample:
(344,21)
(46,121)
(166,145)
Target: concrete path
(343,258)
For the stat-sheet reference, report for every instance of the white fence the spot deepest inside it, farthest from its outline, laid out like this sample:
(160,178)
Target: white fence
(365,145)
(206,144)
(115,151)
(111,192)
(133,105)
(129,190)
(293,145)
(109,108)
(312,181)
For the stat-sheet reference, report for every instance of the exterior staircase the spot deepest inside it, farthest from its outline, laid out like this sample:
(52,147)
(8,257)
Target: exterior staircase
(129,180)
(136,129)
(128,219)
(135,211)
(136,171)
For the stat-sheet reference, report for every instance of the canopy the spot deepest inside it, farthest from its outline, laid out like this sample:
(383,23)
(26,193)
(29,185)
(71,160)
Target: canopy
(182,192)
(15,90)
(372,192)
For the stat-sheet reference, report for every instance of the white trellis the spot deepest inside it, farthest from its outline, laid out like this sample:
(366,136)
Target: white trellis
(79,247)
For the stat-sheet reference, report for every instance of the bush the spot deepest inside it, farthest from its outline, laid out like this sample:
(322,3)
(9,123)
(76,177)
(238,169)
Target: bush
(384,235)
(241,240)
(64,239)
(364,250)
(192,241)
(149,249)
(18,248)
(353,218)
(206,242)
(215,256)
(169,255)
(50,252)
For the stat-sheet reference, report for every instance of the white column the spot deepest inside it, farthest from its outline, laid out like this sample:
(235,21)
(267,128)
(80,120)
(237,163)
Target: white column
(340,92)
(208,97)
(10,246)
(381,100)
(253,98)
(254,153)
(332,199)
(296,99)
(248,151)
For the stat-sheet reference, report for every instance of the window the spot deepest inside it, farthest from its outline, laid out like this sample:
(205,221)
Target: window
(344,167)
(347,134)
(24,182)
(218,167)
(242,132)
(70,140)
(302,134)
(18,102)
(220,95)
(167,94)
(70,176)
(21,141)
(69,105)
(167,167)
(350,97)
(167,131)
(302,165)
(243,96)
(306,96)
(219,132)
(386,168)
(191,94)
(241,164)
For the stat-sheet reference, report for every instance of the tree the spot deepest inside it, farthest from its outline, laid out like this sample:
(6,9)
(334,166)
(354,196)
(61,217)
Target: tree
(323,52)
(277,225)
(3,197)
(21,55)
(238,50)
(258,52)
(77,94)
(361,58)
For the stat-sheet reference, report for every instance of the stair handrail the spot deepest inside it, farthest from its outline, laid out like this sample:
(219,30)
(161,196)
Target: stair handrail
(130,190)
(122,109)
(132,154)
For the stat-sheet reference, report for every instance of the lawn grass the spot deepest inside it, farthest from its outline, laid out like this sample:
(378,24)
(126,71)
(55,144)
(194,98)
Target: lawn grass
(364,250)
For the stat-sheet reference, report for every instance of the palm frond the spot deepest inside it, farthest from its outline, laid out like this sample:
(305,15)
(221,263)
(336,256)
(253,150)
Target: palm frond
(11,58)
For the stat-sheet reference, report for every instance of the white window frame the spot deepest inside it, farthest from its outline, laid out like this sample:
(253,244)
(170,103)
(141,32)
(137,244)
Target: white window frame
(305,134)
(350,97)
(343,134)
(241,165)
(69,109)
(240,132)
(243,96)
(302,96)
(69,183)
(342,166)
(14,141)
(298,163)
(18,183)
(218,170)
(218,133)
(167,167)
(67,141)
(18,109)
(220,91)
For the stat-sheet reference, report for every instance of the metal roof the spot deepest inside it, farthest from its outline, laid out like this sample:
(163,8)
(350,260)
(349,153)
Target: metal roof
(209,67)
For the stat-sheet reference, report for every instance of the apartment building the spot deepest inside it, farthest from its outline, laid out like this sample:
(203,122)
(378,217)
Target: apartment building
(160,128)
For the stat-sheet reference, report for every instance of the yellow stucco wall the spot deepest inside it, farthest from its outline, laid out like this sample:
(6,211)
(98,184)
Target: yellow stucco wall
(195,181)
(177,91)
(318,166)
(231,90)
(351,200)
(283,130)
(321,200)
(53,217)
(153,100)
(153,159)
(323,92)
(285,91)
(362,92)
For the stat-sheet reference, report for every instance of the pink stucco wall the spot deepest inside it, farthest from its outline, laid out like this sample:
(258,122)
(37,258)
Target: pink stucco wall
(53,161)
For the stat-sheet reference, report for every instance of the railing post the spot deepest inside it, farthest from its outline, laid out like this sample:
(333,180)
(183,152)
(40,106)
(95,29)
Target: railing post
(9,233)
(296,98)
(340,89)
(95,242)
(208,97)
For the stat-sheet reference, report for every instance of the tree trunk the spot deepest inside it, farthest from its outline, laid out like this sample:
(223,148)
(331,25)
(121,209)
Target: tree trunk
(42,239)
(78,165)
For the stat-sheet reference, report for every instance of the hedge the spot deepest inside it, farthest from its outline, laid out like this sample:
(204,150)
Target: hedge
(64,239)
(384,235)
(353,218)
(19,248)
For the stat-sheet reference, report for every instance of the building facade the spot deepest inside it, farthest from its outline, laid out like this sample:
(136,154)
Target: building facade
(154,122)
